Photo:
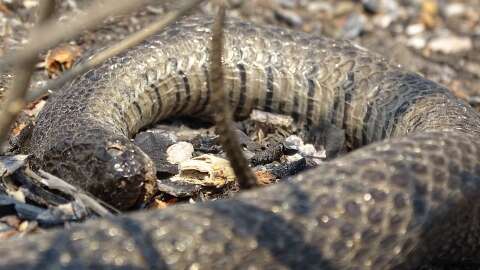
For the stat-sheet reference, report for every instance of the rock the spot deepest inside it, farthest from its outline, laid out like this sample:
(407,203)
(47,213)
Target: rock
(287,3)
(371,6)
(179,152)
(383,20)
(354,26)
(307,150)
(268,155)
(294,157)
(417,42)
(293,142)
(178,189)
(342,8)
(450,44)
(415,29)
(455,9)
(30,3)
(155,144)
(286,168)
(206,144)
(319,6)
(289,17)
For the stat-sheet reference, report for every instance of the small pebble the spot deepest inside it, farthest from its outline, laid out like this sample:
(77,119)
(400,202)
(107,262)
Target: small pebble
(415,29)
(450,44)
(287,3)
(30,3)
(179,152)
(307,150)
(417,42)
(354,26)
(293,142)
(371,6)
(289,17)
(322,6)
(383,20)
(455,9)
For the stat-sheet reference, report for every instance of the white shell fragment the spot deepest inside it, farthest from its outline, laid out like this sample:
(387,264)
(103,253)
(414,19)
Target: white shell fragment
(179,152)
(205,170)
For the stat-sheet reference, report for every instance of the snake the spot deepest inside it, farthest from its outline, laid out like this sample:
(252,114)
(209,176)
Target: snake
(405,197)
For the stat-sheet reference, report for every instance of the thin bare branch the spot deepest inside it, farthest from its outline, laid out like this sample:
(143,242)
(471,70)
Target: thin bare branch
(52,32)
(53,182)
(223,116)
(22,72)
(119,47)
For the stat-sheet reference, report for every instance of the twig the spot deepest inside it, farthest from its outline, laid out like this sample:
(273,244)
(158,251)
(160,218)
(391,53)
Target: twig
(119,47)
(52,32)
(223,117)
(56,183)
(22,72)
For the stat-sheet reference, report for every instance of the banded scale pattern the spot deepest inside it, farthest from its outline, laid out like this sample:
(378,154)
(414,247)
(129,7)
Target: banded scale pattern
(404,202)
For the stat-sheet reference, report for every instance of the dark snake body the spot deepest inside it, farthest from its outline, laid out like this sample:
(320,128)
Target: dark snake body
(396,204)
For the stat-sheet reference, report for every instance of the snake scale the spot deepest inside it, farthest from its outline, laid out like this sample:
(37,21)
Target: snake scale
(407,198)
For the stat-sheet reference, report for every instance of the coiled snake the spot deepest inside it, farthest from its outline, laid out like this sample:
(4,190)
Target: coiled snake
(405,201)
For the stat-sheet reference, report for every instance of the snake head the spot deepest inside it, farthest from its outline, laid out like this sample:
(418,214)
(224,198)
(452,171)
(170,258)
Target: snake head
(114,170)
(126,173)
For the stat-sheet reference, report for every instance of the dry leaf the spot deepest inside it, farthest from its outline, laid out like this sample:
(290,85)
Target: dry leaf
(265,178)
(61,59)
